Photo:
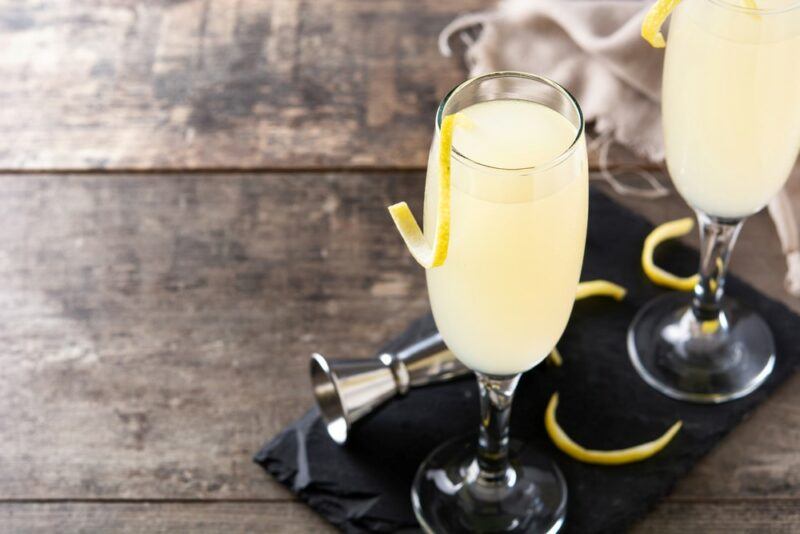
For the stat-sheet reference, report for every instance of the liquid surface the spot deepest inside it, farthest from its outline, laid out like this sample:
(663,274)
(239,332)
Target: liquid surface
(504,295)
(731,105)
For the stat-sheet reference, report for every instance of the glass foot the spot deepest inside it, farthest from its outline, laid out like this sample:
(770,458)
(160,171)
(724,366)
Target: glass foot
(710,362)
(448,496)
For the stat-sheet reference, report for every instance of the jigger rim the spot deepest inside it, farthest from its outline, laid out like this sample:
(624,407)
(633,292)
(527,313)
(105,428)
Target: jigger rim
(327,394)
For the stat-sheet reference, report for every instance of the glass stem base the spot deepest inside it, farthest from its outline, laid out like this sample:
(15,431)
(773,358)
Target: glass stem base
(448,494)
(708,361)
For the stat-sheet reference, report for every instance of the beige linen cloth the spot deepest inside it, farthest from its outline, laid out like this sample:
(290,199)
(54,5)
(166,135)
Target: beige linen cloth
(594,48)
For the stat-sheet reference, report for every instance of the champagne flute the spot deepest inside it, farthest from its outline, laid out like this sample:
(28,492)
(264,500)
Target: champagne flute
(502,298)
(731,113)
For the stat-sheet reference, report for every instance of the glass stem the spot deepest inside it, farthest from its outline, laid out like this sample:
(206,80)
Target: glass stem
(717,237)
(496,395)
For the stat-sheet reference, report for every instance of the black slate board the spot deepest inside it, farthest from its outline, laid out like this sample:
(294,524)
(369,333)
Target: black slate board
(364,486)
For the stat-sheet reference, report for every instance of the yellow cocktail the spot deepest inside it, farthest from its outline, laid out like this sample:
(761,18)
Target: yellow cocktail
(503,296)
(505,226)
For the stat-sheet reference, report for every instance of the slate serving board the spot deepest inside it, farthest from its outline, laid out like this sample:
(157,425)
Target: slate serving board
(364,486)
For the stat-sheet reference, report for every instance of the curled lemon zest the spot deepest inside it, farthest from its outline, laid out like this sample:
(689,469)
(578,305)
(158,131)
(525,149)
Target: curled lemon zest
(428,255)
(592,288)
(555,357)
(600,288)
(709,327)
(657,15)
(656,274)
(613,457)
(713,284)
(654,19)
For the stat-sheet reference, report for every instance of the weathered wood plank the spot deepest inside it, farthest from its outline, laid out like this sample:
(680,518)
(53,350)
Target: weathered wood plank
(160,518)
(743,517)
(210,84)
(781,516)
(213,83)
(760,457)
(155,331)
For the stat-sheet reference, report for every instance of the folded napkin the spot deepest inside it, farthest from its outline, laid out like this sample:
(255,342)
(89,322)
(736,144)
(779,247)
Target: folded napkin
(594,49)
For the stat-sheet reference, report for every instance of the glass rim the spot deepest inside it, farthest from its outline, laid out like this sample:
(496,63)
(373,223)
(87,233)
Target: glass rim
(566,153)
(729,5)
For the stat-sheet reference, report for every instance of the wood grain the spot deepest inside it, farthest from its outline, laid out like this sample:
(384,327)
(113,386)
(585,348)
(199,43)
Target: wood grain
(161,518)
(155,330)
(741,517)
(155,327)
(753,517)
(217,84)
(220,85)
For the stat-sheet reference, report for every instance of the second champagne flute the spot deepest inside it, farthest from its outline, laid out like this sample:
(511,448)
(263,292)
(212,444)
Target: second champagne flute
(731,112)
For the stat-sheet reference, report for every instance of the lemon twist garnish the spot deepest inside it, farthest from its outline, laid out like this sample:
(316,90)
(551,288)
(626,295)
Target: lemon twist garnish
(654,19)
(592,288)
(426,255)
(659,276)
(661,233)
(555,357)
(590,456)
(600,288)
(709,327)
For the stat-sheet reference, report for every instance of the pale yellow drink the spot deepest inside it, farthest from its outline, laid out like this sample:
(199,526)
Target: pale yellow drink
(731,104)
(505,292)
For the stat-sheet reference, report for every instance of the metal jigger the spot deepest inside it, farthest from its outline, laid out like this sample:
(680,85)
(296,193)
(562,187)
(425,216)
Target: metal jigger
(347,390)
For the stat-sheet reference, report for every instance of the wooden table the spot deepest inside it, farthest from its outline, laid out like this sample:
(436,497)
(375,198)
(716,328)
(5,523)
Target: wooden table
(193,200)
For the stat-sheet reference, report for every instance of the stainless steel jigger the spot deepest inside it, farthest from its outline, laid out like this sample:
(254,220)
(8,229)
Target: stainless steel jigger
(347,390)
